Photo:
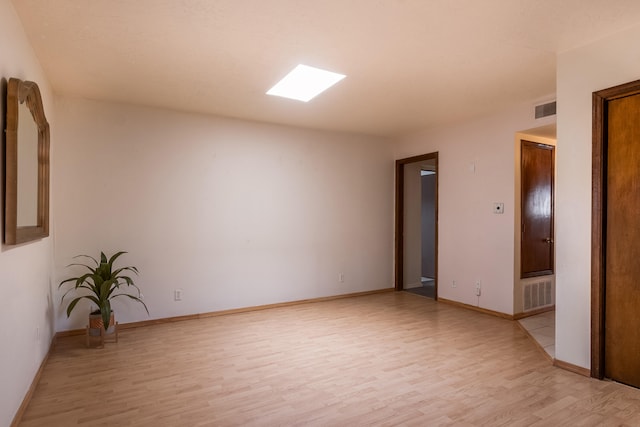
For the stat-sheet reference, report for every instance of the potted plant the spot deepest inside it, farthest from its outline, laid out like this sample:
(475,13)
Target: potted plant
(103,284)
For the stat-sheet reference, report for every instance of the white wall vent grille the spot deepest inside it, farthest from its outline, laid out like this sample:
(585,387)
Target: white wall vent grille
(537,295)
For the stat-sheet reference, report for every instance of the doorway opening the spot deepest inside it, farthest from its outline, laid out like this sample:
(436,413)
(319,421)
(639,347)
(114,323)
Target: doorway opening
(534,237)
(416,245)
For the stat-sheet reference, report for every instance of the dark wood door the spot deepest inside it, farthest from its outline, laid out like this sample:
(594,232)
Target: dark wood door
(537,175)
(622,260)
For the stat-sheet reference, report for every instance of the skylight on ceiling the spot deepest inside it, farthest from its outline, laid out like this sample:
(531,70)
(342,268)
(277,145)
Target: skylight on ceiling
(304,83)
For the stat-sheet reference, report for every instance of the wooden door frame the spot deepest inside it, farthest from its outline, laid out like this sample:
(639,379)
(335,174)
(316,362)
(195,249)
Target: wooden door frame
(601,100)
(399,219)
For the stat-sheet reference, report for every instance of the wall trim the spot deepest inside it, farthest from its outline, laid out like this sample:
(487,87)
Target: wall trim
(478,309)
(32,388)
(572,368)
(523,314)
(144,323)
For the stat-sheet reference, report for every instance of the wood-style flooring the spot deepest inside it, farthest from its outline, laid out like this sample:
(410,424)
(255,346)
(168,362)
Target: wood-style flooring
(387,359)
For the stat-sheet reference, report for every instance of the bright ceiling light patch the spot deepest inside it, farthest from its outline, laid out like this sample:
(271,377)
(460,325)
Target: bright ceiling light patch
(304,83)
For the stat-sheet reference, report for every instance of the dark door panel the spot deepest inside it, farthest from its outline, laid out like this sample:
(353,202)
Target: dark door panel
(622,268)
(537,246)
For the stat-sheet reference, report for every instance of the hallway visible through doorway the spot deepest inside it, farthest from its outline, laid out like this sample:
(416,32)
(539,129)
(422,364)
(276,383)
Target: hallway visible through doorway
(428,288)
(416,229)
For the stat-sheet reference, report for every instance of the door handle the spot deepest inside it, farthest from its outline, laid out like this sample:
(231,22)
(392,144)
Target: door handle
(548,240)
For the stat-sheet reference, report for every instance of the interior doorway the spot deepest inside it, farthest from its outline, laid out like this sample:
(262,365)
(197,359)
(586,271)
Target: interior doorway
(534,234)
(416,245)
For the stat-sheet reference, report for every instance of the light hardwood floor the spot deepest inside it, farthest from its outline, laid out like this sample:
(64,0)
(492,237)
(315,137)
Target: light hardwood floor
(385,359)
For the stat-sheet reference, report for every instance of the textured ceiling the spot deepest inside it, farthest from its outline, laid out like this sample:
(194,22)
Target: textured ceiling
(410,64)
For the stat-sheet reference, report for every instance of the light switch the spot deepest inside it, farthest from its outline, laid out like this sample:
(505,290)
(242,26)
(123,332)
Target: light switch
(498,208)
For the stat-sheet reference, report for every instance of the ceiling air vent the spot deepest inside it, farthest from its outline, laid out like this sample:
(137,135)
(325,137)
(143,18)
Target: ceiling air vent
(546,110)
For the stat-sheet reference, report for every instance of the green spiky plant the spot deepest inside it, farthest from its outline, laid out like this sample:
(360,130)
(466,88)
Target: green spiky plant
(102,282)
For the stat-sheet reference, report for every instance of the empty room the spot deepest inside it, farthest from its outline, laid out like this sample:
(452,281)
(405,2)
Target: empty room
(329,213)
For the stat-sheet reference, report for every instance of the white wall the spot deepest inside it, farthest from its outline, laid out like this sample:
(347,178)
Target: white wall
(26,323)
(235,214)
(581,72)
(476,169)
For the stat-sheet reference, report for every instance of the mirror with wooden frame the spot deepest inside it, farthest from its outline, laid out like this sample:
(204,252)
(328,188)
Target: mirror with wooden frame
(26,165)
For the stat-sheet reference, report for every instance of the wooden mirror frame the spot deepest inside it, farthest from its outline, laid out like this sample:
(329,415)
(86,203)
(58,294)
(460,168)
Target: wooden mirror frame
(19,92)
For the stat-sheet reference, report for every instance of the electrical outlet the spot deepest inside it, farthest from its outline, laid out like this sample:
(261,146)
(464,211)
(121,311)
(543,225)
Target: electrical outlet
(341,277)
(454,284)
(177,295)
(478,288)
